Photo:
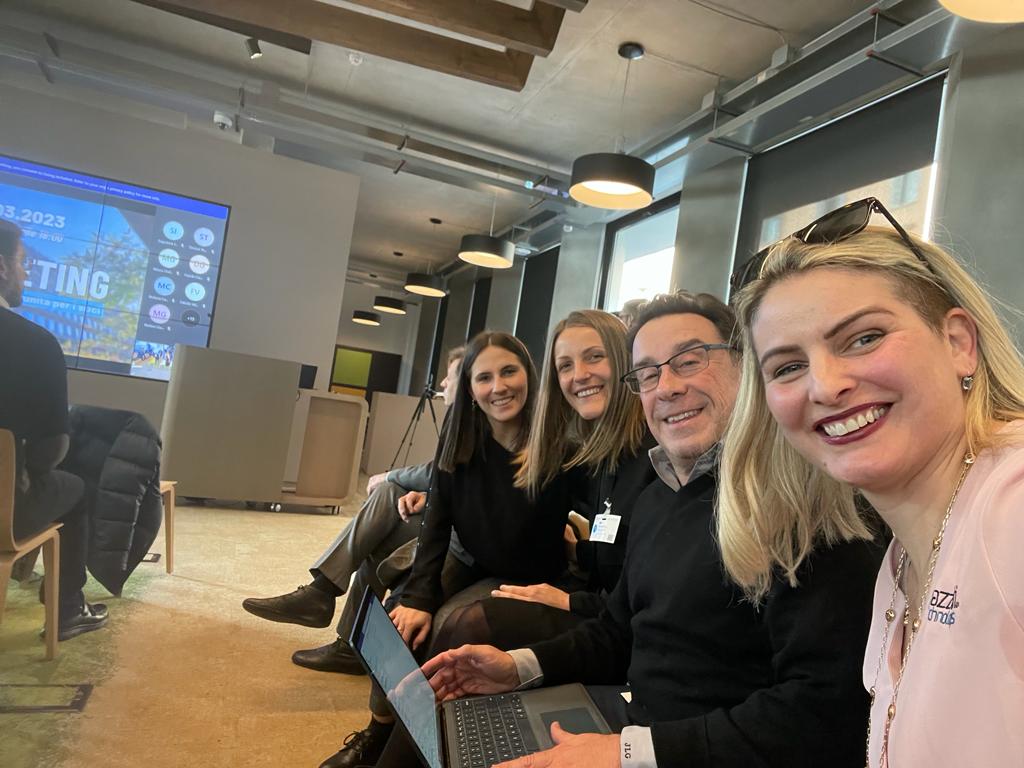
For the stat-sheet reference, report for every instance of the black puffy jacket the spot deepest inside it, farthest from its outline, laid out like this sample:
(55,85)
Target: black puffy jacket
(117,454)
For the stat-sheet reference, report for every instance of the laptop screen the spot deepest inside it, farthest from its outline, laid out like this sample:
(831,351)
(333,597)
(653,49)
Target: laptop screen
(393,667)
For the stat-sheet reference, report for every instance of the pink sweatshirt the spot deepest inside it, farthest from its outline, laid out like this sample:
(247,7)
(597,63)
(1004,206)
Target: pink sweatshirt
(961,702)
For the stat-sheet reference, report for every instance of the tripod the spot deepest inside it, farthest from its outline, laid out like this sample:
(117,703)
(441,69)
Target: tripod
(426,401)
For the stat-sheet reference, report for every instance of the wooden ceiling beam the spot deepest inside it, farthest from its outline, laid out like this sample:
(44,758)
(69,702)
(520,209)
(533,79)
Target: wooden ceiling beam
(292,42)
(379,37)
(530,31)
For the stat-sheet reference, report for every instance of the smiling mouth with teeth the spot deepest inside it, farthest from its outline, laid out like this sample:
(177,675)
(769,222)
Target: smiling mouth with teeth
(852,424)
(682,416)
(501,401)
(588,392)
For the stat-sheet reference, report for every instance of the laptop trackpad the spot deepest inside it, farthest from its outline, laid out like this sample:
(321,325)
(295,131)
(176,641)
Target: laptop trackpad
(578,720)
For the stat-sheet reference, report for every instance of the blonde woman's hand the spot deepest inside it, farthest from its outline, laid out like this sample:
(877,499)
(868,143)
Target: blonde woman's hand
(535,593)
(569,535)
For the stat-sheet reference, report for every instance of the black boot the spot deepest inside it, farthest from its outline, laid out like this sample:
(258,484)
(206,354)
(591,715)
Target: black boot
(361,748)
(334,657)
(307,606)
(92,616)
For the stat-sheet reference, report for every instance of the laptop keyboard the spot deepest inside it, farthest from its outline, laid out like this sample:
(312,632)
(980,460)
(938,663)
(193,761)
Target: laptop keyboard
(491,730)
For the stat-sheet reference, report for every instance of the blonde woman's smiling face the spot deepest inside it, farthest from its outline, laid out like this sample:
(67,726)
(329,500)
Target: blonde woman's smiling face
(584,371)
(858,382)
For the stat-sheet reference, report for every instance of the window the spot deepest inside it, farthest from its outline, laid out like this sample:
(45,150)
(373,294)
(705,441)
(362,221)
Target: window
(639,253)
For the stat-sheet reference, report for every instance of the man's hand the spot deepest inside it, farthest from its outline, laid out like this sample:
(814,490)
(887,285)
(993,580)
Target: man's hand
(412,624)
(374,481)
(535,593)
(411,504)
(469,670)
(586,750)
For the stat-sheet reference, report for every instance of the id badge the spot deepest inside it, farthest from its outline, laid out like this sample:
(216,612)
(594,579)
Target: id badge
(605,528)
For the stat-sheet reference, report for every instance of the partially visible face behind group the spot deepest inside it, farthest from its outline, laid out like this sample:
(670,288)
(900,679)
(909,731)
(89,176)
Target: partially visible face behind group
(859,384)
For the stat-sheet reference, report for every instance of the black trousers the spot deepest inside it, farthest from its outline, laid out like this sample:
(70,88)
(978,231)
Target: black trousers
(55,498)
(401,753)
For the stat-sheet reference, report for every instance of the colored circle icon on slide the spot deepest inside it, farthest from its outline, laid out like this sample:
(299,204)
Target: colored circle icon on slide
(159,314)
(199,264)
(164,286)
(173,230)
(190,317)
(195,291)
(203,237)
(168,258)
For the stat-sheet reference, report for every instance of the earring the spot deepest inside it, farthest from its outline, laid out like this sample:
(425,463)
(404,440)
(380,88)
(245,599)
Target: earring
(967,382)
(474,404)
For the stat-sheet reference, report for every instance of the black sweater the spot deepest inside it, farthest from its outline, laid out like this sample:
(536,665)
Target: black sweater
(601,561)
(508,537)
(720,683)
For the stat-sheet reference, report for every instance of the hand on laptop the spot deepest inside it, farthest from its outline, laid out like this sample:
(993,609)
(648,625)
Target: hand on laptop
(535,593)
(469,670)
(587,750)
(411,504)
(412,624)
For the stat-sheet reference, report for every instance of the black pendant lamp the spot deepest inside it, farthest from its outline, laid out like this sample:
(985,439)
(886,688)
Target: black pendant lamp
(614,180)
(987,11)
(487,250)
(389,305)
(363,317)
(423,284)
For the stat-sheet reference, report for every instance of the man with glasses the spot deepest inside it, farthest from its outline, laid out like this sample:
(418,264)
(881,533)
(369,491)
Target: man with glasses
(713,680)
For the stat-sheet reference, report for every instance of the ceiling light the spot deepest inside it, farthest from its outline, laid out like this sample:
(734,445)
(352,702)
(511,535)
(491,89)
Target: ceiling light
(363,317)
(389,305)
(991,11)
(252,47)
(423,284)
(612,180)
(488,250)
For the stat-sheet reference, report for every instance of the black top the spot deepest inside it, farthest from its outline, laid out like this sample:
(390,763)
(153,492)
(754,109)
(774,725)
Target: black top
(720,683)
(507,536)
(33,381)
(602,561)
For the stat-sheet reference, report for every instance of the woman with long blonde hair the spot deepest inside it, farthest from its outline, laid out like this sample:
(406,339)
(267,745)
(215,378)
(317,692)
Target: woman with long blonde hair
(875,366)
(588,424)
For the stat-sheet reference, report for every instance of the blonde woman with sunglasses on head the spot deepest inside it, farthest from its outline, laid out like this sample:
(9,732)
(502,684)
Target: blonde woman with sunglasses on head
(875,365)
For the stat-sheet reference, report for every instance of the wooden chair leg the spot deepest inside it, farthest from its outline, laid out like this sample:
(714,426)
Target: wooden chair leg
(6,562)
(51,565)
(169,527)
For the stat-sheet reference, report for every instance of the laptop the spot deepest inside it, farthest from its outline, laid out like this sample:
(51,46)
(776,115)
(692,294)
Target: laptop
(474,732)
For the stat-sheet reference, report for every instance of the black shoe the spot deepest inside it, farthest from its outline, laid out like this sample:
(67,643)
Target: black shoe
(360,748)
(335,657)
(307,606)
(93,616)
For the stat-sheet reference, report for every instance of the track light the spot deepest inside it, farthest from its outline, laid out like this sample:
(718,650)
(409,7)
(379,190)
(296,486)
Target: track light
(389,305)
(991,11)
(363,317)
(425,285)
(252,47)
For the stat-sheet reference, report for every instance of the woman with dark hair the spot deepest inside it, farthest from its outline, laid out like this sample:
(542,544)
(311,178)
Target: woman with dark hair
(587,425)
(507,535)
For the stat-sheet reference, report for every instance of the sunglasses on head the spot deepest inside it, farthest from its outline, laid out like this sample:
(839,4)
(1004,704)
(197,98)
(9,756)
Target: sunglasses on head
(833,227)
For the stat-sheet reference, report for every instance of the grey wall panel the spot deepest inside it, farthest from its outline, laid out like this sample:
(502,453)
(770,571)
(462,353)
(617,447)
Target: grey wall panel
(460,302)
(579,272)
(424,345)
(709,211)
(503,306)
(980,192)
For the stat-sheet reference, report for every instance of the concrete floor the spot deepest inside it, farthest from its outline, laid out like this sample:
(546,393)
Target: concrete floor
(182,675)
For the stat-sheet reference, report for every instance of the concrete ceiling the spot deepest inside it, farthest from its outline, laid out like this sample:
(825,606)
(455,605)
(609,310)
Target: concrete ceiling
(570,105)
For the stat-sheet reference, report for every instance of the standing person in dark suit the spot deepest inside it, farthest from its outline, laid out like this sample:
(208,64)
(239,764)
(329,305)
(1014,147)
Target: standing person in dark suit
(34,406)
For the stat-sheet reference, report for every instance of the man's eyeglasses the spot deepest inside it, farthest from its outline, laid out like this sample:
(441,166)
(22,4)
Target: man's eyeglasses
(833,227)
(686,363)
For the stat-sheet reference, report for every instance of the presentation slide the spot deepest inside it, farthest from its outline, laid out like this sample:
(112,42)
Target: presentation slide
(118,273)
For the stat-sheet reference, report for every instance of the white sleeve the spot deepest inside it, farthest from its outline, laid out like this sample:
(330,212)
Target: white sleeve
(637,747)
(528,668)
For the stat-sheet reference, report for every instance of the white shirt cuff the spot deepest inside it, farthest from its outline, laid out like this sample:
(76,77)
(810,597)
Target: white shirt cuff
(637,747)
(528,668)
